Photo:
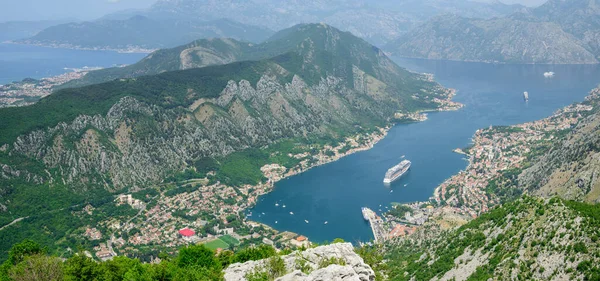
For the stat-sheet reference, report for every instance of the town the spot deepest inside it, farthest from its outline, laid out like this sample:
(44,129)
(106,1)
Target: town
(29,91)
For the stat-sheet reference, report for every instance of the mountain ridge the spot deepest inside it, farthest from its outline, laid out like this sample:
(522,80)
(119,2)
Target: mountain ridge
(140,33)
(558,32)
(216,125)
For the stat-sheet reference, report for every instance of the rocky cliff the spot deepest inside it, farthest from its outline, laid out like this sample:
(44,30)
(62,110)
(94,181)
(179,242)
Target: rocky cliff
(331,262)
(558,32)
(508,40)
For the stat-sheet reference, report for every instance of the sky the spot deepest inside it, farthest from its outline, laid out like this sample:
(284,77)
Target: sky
(11,10)
(28,10)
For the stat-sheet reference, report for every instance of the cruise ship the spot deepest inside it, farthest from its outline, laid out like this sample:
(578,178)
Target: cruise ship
(367,213)
(397,171)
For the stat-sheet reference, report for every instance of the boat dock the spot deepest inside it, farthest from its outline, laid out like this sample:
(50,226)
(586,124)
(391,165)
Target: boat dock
(376,224)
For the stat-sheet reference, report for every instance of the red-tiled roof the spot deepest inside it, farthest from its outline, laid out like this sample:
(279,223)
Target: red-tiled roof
(187,232)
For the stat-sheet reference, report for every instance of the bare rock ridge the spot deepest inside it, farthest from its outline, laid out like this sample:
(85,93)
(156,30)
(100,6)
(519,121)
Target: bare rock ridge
(347,266)
(558,32)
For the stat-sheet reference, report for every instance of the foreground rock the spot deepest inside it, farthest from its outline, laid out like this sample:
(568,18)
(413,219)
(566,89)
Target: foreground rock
(312,264)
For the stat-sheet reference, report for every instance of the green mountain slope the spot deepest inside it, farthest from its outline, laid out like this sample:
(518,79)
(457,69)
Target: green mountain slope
(514,39)
(220,51)
(142,32)
(529,239)
(81,145)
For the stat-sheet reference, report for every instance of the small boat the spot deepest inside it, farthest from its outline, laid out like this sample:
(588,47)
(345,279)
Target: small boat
(405,184)
(391,191)
(526,96)
(283,206)
(291,213)
(305,221)
(263,214)
(403,156)
(325,222)
(275,222)
(276,204)
(549,74)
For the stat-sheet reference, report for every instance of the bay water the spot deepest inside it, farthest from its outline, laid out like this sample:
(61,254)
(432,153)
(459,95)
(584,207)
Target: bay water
(492,95)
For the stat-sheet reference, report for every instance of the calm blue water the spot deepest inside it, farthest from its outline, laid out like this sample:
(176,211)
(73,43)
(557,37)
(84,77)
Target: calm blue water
(21,61)
(493,96)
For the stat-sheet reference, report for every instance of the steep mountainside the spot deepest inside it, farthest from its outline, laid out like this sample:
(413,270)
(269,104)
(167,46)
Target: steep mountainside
(221,51)
(140,32)
(529,239)
(558,32)
(570,169)
(196,54)
(376,21)
(578,17)
(130,134)
(510,40)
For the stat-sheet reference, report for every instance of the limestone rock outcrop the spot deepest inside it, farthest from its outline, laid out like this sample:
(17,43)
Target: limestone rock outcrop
(312,265)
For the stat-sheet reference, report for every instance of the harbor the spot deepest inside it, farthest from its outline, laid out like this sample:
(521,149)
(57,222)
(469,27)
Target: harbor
(335,192)
(376,223)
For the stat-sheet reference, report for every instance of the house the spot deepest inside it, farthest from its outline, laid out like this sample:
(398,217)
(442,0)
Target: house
(300,241)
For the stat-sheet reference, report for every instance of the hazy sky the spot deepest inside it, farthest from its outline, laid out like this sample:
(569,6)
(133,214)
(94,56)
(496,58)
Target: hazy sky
(92,9)
(60,9)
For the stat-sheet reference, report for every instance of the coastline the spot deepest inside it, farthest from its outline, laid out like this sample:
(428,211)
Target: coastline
(273,171)
(390,54)
(129,50)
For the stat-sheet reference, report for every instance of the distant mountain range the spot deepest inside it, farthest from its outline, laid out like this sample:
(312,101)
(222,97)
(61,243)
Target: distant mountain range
(169,23)
(13,30)
(375,21)
(140,32)
(558,32)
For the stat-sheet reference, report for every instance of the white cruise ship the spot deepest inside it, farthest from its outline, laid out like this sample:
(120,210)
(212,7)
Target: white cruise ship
(397,171)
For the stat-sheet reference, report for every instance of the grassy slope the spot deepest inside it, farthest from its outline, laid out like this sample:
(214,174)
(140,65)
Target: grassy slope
(528,239)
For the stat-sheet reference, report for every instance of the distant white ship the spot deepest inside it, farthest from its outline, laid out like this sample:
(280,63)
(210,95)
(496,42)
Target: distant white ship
(276,205)
(549,74)
(305,221)
(526,96)
(326,222)
(291,213)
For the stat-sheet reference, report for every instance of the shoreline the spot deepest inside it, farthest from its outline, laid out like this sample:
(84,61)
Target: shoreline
(132,50)
(373,138)
(390,54)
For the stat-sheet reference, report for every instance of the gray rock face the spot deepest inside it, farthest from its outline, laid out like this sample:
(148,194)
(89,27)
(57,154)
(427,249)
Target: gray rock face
(137,143)
(352,268)
(509,40)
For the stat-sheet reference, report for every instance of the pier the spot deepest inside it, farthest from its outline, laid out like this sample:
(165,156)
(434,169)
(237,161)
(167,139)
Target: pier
(376,224)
